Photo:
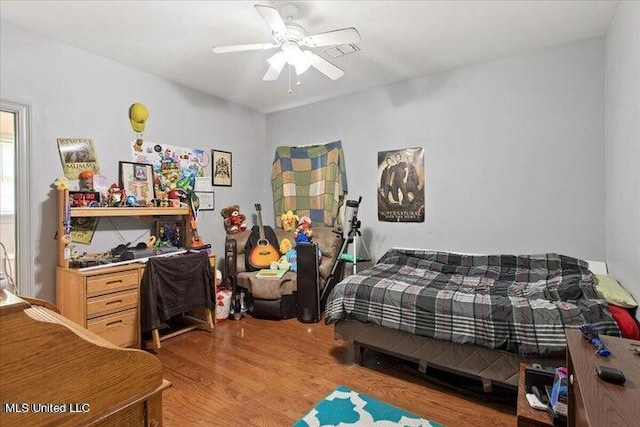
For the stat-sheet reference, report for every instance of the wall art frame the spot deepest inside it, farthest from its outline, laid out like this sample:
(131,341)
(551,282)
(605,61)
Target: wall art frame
(207,200)
(137,179)
(221,168)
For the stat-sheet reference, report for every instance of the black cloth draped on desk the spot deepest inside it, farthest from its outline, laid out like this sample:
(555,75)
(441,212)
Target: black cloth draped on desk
(172,285)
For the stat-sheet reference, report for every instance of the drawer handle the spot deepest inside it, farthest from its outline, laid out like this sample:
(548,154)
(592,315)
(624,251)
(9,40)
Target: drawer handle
(114,323)
(114,282)
(119,301)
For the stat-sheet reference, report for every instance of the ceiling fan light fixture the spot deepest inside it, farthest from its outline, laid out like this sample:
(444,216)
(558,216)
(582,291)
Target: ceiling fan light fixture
(294,56)
(301,66)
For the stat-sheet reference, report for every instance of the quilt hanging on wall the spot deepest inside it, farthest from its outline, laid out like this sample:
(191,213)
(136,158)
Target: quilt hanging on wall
(173,166)
(401,185)
(310,181)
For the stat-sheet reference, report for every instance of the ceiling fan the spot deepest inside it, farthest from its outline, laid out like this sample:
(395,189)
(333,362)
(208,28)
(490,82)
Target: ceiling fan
(289,37)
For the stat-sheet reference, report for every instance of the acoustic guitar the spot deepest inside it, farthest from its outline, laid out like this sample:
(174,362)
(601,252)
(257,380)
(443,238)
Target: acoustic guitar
(263,253)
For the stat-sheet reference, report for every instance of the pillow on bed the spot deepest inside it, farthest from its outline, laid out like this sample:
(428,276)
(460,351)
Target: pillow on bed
(611,291)
(628,326)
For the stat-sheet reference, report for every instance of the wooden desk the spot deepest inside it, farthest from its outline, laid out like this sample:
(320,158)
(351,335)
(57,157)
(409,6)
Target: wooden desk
(593,402)
(526,415)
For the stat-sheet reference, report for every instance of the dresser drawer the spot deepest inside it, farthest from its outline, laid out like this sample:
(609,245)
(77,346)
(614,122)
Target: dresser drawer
(112,282)
(110,303)
(120,328)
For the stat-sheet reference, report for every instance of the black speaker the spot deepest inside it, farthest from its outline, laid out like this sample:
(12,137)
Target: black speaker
(308,287)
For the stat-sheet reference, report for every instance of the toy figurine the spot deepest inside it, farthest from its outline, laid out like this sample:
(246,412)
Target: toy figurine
(115,195)
(303,233)
(132,201)
(175,237)
(86,181)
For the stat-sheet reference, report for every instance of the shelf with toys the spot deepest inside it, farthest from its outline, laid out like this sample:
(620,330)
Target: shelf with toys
(66,212)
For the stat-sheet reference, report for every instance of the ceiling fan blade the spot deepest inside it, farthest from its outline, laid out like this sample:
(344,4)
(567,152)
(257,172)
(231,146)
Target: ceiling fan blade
(272,74)
(276,63)
(272,17)
(331,38)
(278,60)
(244,47)
(324,66)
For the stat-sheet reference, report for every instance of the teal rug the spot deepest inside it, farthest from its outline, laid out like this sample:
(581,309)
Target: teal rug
(345,407)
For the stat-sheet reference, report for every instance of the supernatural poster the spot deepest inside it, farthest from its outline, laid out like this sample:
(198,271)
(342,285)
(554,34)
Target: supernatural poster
(401,185)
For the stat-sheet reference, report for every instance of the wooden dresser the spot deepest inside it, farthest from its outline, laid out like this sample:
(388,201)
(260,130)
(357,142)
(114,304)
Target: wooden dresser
(54,372)
(593,402)
(104,300)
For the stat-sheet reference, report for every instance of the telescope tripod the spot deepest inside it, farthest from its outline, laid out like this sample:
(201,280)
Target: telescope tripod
(353,238)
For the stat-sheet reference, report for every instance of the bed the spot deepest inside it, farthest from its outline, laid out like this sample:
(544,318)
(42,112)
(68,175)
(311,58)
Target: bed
(475,315)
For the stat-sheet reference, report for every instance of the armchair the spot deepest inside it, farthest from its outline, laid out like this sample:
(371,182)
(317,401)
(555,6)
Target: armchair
(277,298)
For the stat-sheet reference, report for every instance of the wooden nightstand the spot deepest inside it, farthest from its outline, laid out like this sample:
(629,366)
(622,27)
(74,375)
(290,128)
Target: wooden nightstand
(593,402)
(527,416)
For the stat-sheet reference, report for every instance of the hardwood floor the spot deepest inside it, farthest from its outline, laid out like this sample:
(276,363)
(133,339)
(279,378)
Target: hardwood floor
(256,372)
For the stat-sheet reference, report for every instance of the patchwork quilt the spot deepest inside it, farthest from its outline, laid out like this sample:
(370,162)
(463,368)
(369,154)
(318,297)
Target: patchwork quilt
(310,181)
(520,304)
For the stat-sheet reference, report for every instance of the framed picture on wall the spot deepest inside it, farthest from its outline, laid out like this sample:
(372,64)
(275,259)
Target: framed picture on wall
(221,171)
(137,179)
(207,200)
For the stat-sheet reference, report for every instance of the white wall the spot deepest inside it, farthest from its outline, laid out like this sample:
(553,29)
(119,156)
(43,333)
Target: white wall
(73,93)
(514,152)
(623,146)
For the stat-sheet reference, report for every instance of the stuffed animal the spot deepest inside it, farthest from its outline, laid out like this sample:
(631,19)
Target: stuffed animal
(289,221)
(285,246)
(303,233)
(234,221)
(283,263)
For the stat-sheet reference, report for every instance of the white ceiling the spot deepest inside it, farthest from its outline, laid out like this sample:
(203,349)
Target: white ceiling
(401,40)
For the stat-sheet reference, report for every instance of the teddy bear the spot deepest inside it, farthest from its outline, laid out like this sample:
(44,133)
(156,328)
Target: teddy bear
(234,221)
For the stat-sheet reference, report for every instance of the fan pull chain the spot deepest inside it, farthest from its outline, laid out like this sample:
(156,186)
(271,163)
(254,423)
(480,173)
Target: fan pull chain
(289,79)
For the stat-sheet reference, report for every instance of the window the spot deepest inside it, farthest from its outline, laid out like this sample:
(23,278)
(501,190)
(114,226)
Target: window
(7,163)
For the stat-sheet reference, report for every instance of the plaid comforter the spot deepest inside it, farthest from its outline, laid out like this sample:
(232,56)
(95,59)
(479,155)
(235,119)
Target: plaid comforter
(519,304)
